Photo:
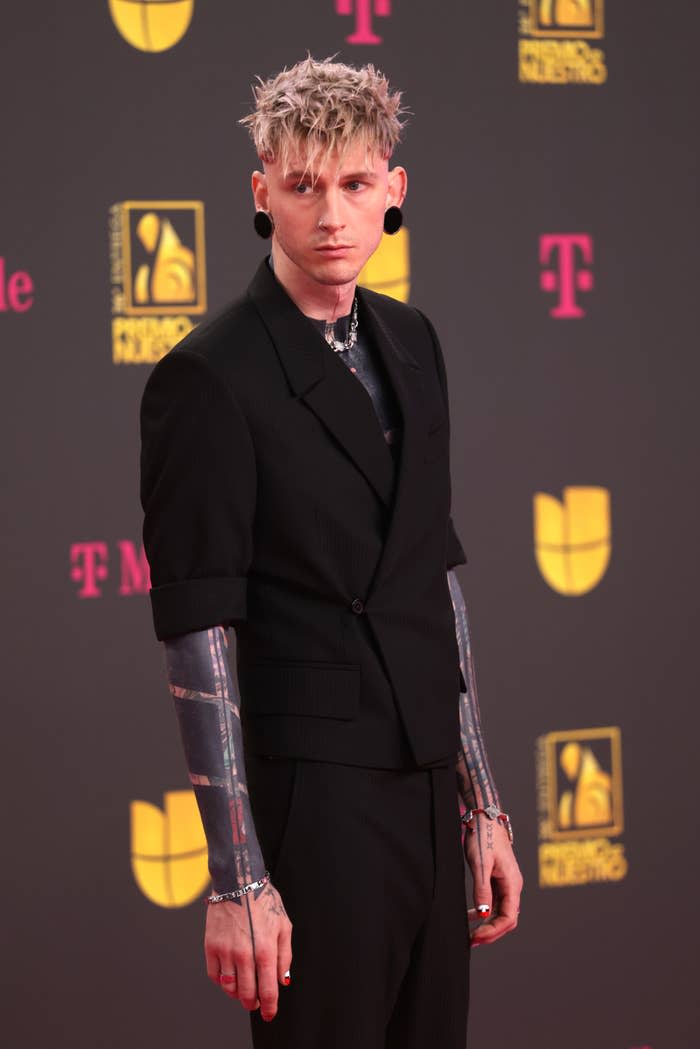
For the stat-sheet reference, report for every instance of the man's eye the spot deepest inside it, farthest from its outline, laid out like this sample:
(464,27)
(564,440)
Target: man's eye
(301,187)
(355,182)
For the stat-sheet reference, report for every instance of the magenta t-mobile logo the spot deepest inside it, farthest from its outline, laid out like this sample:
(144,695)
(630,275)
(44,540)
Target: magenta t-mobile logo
(90,567)
(363,11)
(567,275)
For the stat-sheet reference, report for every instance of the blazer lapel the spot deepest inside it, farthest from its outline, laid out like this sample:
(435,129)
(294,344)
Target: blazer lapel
(342,403)
(324,383)
(406,377)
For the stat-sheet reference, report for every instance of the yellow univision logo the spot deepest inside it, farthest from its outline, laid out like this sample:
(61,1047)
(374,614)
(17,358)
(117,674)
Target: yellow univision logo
(169,849)
(388,270)
(152,25)
(572,538)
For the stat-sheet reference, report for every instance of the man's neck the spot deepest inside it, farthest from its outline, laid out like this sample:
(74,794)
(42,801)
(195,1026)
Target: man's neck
(320,301)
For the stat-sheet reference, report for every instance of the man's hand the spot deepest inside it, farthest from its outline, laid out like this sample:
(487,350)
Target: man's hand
(248,948)
(498,882)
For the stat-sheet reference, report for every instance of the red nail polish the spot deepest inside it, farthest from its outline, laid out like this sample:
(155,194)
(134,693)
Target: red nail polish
(286,981)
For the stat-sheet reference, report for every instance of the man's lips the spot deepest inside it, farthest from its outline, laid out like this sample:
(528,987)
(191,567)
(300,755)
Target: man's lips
(334,247)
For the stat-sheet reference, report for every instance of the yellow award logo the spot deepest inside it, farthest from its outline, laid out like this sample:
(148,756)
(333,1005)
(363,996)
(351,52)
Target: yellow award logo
(579,784)
(158,276)
(388,270)
(564,17)
(553,46)
(572,538)
(169,849)
(152,25)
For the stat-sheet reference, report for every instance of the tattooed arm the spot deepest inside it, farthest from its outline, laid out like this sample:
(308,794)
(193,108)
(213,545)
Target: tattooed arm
(488,850)
(248,938)
(475,782)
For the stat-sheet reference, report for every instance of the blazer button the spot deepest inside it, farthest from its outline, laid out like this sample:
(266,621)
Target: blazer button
(357,606)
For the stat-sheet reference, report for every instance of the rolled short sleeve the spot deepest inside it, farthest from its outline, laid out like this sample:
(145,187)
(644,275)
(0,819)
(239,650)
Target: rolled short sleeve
(197,491)
(455,550)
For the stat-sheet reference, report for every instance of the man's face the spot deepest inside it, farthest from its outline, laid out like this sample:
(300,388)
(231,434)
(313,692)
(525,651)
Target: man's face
(329,227)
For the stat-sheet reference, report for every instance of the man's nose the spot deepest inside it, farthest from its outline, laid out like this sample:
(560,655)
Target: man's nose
(331,217)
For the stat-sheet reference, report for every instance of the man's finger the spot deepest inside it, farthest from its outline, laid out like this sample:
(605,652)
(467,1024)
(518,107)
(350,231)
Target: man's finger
(483,897)
(228,976)
(268,988)
(213,965)
(492,930)
(284,955)
(504,921)
(247,986)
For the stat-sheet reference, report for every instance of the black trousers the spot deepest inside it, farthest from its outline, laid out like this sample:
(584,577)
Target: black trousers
(370,868)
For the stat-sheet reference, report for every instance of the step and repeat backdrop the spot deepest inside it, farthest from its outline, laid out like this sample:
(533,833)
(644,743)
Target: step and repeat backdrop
(551,234)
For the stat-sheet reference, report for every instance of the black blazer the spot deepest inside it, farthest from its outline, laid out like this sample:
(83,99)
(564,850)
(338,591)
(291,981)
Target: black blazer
(270,505)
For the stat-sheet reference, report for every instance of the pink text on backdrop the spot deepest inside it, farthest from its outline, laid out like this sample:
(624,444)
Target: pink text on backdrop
(90,567)
(566,277)
(16,290)
(363,11)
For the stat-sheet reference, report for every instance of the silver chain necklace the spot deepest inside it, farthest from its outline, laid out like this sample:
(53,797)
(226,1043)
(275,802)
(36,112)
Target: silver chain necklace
(350,338)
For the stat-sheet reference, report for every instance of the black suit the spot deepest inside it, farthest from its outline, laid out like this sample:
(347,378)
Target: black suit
(271,504)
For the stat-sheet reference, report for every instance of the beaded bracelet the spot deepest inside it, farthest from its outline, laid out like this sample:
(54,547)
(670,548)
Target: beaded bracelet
(223,897)
(493,814)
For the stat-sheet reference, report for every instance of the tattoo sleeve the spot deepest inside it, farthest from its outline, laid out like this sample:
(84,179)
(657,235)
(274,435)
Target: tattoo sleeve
(208,714)
(475,783)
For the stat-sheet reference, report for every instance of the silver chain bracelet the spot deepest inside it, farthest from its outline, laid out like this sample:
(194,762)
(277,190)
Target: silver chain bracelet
(493,813)
(224,897)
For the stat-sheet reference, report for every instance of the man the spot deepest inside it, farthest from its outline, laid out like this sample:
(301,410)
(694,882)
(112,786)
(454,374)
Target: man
(295,485)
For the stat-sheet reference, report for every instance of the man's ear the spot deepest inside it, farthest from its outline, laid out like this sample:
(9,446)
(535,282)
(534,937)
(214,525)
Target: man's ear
(397,187)
(258,183)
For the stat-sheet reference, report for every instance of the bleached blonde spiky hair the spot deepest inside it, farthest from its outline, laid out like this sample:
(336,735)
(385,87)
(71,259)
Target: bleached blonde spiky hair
(322,106)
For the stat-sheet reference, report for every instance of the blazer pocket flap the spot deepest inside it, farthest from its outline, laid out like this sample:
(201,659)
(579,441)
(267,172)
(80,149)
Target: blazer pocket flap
(311,689)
